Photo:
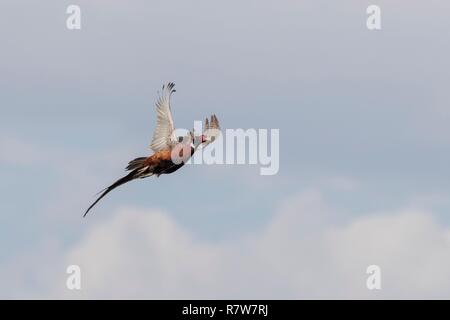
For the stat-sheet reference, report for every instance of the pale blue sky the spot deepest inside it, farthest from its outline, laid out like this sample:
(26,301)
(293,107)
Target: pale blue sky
(363,116)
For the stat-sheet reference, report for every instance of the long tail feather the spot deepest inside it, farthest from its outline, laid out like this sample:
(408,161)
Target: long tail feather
(132,175)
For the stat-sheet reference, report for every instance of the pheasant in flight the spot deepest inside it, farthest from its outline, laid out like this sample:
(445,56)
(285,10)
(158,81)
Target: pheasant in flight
(170,152)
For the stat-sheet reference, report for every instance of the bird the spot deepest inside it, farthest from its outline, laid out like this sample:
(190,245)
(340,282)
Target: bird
(169,151)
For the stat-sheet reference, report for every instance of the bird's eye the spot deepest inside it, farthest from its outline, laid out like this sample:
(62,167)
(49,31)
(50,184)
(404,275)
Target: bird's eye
(180,139)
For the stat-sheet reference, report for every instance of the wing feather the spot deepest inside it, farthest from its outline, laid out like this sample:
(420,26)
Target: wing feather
(212,130)
(164,126)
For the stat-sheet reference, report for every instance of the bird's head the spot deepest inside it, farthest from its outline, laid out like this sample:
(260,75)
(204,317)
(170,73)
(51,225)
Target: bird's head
(197,140)
(210,134)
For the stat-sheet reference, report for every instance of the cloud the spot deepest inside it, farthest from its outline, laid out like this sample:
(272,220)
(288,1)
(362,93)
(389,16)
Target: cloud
(302,253)
(143,254)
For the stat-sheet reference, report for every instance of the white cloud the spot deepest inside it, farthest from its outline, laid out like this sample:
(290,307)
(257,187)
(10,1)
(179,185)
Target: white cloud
(143,254)
(301,253)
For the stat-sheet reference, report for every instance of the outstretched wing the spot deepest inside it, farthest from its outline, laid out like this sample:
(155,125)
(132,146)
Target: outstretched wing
(212,130)
(164,126)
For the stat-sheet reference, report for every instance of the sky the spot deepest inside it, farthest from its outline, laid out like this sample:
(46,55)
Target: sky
(364,130)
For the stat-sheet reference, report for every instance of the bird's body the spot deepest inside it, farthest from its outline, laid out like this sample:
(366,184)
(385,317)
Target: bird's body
(159,163)
(170,153)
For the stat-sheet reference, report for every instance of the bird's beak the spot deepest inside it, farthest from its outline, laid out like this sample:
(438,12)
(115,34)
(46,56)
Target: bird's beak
(204,138)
